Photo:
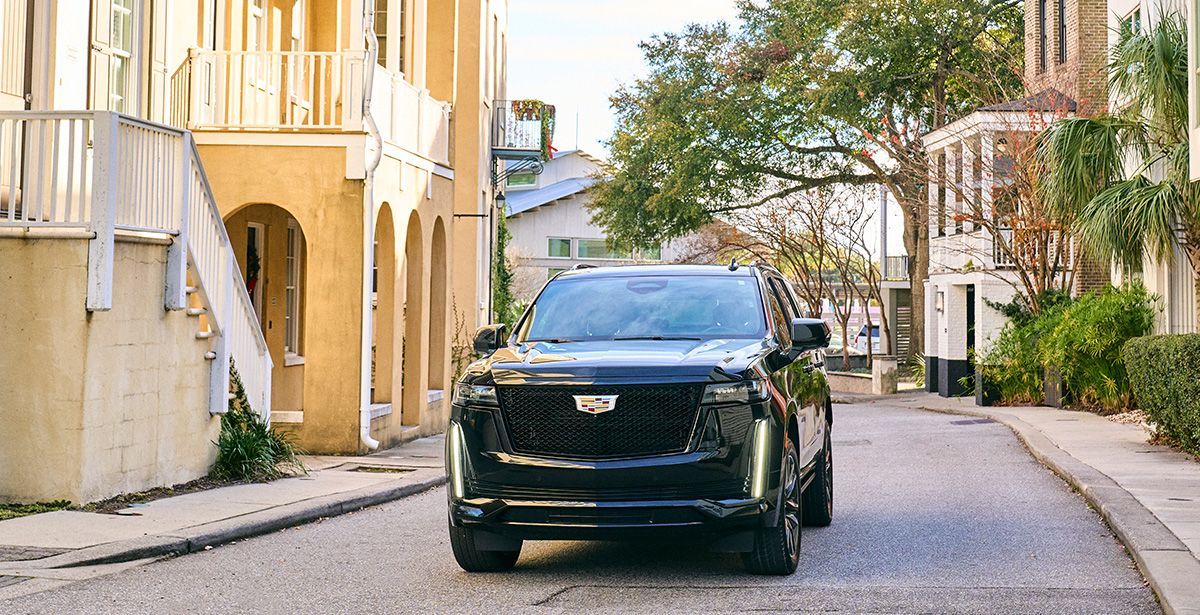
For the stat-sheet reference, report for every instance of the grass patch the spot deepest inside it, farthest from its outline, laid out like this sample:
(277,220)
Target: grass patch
(12,511)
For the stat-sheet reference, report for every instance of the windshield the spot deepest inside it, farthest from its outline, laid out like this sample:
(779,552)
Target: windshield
(646,307)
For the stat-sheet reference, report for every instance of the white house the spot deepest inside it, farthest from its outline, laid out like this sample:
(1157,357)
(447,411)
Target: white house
(552,229)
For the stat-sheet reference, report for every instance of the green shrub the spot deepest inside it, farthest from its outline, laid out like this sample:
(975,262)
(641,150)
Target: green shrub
(1012,364)
(1085,345)
(1164,371)
(1081,339)
(247,448)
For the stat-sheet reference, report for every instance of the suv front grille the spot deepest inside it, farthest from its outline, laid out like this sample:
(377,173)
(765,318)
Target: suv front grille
(647,420)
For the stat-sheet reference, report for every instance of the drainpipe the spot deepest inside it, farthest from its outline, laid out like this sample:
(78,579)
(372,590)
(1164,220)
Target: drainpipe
(364,411)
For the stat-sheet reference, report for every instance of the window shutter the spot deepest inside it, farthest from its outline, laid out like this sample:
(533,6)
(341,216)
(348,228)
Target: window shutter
(101,56)
(160,94)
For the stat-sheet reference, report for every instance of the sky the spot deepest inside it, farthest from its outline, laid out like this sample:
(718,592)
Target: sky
(574,53)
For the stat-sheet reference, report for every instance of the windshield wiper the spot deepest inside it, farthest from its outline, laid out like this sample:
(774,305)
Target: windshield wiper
(657,338)
(552,340)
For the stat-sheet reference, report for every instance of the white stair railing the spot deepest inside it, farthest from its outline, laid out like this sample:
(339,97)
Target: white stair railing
(99,173)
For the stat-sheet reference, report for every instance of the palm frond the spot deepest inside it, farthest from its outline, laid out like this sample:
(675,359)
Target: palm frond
(1083,155)
(1130,217)
(1148,74)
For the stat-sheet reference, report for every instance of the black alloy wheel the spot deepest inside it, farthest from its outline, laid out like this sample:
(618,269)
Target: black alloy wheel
(777,549)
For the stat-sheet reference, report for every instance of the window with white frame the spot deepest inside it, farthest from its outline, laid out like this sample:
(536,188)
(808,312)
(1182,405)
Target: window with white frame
(122,74)
(291,315)
(381,29)
(256,25)
(298,25)
(558,247)
(600,249)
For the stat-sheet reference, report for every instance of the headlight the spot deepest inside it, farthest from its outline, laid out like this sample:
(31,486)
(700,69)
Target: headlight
(482,395)
(455,461)
(735,392)
(762,448)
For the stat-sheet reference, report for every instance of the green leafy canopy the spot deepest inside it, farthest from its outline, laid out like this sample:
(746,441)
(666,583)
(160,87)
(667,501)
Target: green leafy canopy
(803,94)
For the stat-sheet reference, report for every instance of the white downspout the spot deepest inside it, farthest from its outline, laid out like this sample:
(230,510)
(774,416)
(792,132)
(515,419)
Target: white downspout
(364,411)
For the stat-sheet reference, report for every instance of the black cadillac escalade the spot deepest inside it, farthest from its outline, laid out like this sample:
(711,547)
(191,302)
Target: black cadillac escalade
(645,401)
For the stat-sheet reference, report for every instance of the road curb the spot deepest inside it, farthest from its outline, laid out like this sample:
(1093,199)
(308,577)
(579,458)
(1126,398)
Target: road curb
(1164,561)
(197,538)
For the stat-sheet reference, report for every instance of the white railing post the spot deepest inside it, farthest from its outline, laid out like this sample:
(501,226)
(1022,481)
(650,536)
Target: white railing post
(266,364)
(105,165)
(218,399)
(176,283)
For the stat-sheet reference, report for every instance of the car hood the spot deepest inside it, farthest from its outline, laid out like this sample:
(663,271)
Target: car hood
(629,361)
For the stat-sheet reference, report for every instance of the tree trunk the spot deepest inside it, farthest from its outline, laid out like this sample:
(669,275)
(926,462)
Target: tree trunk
(916,243)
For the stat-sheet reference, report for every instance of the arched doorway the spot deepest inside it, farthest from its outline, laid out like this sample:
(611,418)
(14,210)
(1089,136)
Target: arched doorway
(437,307)
(383,308)
(414,272)
(272,255)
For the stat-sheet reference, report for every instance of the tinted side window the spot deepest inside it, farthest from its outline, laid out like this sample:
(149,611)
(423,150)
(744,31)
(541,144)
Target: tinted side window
(785,298)
(778,315)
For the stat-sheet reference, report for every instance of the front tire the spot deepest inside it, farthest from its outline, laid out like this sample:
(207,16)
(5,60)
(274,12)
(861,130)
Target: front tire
(473,559)
(777,549)
(818,498)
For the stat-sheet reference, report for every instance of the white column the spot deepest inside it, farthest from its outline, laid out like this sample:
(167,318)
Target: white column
(967,183)
(952,184)
(987,156)
(933,193)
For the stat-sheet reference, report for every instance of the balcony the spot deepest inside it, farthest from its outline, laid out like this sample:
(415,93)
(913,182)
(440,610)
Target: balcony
(305,91)
(522,130)
(895,269)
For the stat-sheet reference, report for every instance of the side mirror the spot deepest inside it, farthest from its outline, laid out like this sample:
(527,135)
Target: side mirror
(489,338)
(809,334)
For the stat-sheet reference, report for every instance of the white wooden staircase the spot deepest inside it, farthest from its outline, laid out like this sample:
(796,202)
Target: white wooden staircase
(97,174)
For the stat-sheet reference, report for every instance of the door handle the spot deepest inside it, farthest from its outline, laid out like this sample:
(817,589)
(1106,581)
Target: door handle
(808,369)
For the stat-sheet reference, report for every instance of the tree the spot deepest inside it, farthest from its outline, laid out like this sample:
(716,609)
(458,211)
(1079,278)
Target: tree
(806,94)
(819,240)
(1123,216)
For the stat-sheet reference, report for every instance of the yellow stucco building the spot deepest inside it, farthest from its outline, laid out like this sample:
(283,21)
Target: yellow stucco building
(300,188)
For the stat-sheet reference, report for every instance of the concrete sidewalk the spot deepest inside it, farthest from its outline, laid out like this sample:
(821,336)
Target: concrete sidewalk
(194,521)
(1149,495)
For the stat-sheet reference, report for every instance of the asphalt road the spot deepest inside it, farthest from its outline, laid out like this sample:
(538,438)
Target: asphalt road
(933,514)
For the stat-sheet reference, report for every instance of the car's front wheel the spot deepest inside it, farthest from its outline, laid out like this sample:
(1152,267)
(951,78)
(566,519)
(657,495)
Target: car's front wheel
(473,559)
(777,549)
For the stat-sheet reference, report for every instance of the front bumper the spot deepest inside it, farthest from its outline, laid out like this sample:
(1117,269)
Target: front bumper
(705,491)
(564,520)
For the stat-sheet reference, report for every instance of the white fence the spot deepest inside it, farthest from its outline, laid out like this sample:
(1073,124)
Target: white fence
(316,91)
(268,90)
(101,172)
(410,118)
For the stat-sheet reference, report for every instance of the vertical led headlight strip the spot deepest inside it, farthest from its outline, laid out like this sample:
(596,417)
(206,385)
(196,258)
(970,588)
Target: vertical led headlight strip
(456,461)
(762,445)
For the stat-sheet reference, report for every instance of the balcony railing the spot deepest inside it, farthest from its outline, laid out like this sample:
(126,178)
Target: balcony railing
(268,90)
(309,91)
(522,128)
(1026,248)
(102,172)
(895,268)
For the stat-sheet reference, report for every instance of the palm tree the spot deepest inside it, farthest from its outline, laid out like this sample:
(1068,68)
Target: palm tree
(1124,173)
